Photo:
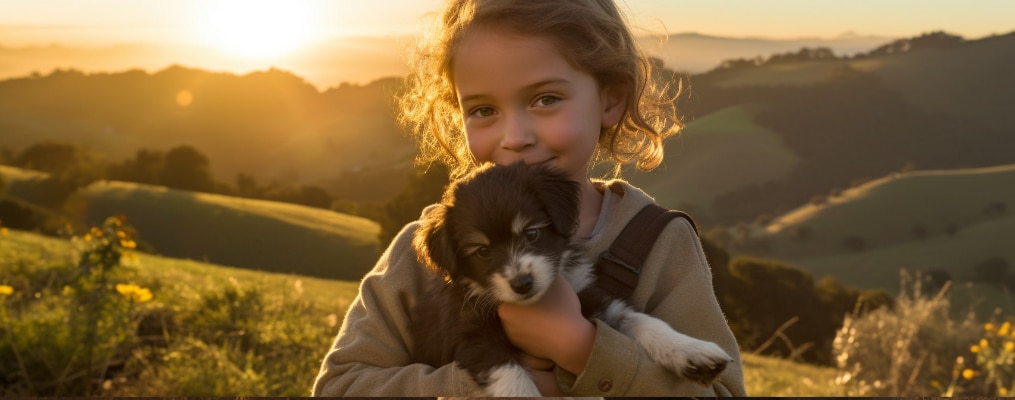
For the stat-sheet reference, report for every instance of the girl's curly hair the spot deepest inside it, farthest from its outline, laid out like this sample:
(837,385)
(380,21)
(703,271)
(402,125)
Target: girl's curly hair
(591,34)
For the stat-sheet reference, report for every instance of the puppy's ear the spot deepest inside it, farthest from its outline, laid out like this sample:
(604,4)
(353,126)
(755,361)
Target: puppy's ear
(432,242)
(559,195)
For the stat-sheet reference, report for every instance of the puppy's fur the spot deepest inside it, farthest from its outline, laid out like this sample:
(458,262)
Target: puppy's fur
(502,234)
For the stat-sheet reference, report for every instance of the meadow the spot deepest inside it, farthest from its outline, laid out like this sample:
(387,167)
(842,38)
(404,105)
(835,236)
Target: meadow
(90,315)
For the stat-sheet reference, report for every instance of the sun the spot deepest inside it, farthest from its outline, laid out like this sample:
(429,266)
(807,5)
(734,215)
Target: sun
(257,28)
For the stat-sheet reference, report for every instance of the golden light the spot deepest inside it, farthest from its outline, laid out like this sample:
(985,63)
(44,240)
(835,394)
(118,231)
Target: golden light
(257,28)
(184,98)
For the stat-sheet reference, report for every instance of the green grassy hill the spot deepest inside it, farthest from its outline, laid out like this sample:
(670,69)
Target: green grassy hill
(925,220)
(180,278)
(245,233)
(208,330)
(718,153)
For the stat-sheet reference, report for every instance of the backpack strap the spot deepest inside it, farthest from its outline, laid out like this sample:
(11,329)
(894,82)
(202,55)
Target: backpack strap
(619,266)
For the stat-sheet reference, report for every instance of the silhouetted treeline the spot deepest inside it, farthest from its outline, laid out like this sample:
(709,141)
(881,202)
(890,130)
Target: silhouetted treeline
(932,40)
(183,167)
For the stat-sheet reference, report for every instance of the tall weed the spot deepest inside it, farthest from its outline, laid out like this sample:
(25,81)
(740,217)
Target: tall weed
(914,349)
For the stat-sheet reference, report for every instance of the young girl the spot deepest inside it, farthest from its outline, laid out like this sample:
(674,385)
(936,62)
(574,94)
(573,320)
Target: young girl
(559,82)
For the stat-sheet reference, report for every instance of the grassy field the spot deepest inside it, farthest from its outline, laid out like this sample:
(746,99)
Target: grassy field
(775,377)
(207,330)
(286,305)
(729,152)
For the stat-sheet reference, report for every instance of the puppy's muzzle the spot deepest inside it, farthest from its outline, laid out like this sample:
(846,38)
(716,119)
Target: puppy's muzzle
(522,284)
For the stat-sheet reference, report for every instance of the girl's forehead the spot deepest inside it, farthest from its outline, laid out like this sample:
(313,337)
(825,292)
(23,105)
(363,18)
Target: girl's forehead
(480,43)
(485,55)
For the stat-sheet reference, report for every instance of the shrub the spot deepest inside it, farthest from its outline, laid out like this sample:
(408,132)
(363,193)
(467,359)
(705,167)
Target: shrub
(991,270)
(906,351)
(801,232)
(854,243)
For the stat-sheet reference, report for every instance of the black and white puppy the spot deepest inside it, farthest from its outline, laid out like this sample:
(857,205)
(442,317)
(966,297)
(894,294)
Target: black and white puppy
(502,234)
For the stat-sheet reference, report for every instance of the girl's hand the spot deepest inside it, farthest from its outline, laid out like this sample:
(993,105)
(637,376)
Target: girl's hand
(552,328)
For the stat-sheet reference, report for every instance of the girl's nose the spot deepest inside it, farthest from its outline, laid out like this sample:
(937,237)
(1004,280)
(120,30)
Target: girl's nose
(517,134)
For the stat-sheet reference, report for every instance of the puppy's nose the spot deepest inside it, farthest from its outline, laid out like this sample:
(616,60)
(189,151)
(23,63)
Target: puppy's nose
(522,284)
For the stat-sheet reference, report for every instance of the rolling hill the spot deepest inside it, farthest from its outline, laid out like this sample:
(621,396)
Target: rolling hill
(718,153)
(245,233)
(945,221)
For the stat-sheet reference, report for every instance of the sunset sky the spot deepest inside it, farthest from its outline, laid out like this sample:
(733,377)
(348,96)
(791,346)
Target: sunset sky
(257,33)
(112,21)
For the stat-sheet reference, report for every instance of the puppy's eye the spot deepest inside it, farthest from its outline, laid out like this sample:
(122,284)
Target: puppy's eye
(532,234)
(482,252)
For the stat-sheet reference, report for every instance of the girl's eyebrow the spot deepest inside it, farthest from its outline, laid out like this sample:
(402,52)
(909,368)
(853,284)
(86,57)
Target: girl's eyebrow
(529,87)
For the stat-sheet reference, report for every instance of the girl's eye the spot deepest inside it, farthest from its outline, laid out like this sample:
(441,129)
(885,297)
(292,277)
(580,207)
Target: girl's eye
(532,234)
(548,100)
(482,111)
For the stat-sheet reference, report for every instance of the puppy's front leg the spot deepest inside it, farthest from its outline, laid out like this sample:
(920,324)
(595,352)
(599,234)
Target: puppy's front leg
(692,358)
(510,380)
(486,357)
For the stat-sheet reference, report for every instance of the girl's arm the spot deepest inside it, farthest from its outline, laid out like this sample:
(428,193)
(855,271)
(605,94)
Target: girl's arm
(370,356)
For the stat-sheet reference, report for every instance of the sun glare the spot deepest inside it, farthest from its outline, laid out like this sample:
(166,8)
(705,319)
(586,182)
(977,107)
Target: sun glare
(257,28)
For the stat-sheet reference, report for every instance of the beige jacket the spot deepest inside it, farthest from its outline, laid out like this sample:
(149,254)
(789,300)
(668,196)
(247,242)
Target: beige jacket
(370,356)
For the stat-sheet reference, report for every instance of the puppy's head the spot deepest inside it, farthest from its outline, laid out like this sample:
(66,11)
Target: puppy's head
(504,231)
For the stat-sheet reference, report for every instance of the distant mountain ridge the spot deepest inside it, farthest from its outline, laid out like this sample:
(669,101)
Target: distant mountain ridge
(361,60)
(271,124)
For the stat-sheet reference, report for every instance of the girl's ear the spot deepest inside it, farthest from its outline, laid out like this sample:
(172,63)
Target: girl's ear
(614,101)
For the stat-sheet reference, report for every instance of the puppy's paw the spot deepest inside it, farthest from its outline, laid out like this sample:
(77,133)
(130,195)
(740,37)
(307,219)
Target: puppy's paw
(692,358)
(704,361)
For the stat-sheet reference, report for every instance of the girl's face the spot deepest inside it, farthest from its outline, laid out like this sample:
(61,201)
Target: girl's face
(521,100)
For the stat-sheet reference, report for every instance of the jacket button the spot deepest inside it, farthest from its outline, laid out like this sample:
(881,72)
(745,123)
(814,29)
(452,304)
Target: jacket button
(605,384)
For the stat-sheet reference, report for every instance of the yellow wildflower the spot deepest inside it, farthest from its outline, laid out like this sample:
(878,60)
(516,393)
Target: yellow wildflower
(1002,391)
(134,292)
(121,234)
(6,290)
(968,374)
(3,232)
(934,383)
(984,344)
(1005,327)
(974,348)
(142,295)
(88,237)
(1009,346)
(130,244)
(67,290)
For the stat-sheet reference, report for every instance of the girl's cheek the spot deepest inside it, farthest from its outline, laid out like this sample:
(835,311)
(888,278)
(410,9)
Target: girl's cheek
(479,146)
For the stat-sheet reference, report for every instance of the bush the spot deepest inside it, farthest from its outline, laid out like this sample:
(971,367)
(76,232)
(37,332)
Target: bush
(764,295)
(991,270)
(854,243)
(914,349)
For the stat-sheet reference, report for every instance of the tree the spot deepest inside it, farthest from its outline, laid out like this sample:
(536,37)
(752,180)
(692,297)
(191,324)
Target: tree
(423,189)
(69,166)
(145,167)
(186,168)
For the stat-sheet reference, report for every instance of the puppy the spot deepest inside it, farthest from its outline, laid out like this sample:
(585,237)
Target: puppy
(502,234)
